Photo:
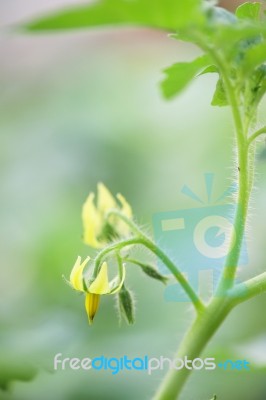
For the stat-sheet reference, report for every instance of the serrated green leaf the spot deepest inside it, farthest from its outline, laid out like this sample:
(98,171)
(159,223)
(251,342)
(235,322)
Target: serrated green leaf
(126,305)
(249,11)
(219,97)
(167,14)
(179,75)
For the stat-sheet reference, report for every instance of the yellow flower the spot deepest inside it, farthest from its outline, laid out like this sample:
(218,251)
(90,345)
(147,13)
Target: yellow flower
(76,276)
(98,287)
(97,230)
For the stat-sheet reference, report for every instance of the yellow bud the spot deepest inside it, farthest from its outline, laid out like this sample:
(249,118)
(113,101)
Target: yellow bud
(92,302)
(99,228)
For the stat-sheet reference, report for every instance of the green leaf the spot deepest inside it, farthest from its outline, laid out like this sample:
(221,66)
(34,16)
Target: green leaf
(219,97)
(256,88)
(249,11)
(225,30)
(227,37)
(179,75)
(214,397)
(254,57)
(15,370)
(163,14)
(209,70)
(126,305)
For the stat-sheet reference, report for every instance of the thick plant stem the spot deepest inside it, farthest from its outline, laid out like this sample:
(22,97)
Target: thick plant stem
(231,263)
(193,344)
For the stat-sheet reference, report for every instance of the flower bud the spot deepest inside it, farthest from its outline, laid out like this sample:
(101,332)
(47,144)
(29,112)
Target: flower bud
(126,305)
(153,273)
(92,302)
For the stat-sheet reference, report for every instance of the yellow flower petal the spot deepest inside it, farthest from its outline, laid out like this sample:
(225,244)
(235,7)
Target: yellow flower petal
(92,302)
(105,200)
(126,208)
(76,276)
(101,284)
(117,283)
(91,222)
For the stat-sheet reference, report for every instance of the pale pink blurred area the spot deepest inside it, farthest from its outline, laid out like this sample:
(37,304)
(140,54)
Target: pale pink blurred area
(28,54)
(16,10)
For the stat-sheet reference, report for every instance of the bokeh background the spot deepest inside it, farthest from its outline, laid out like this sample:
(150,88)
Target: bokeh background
(82,107)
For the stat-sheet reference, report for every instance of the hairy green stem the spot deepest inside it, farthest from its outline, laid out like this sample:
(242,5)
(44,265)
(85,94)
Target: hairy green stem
(143,240)
(120,264)
(114,247)
(209,321)
(129,222)
(231,263)
(255,135)
(246,290)
(177,274)
(252,154)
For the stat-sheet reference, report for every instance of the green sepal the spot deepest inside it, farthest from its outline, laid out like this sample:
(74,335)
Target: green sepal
(153,273)
(126,305)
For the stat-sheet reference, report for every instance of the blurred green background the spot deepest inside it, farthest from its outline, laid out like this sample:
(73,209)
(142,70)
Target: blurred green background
(82,107)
